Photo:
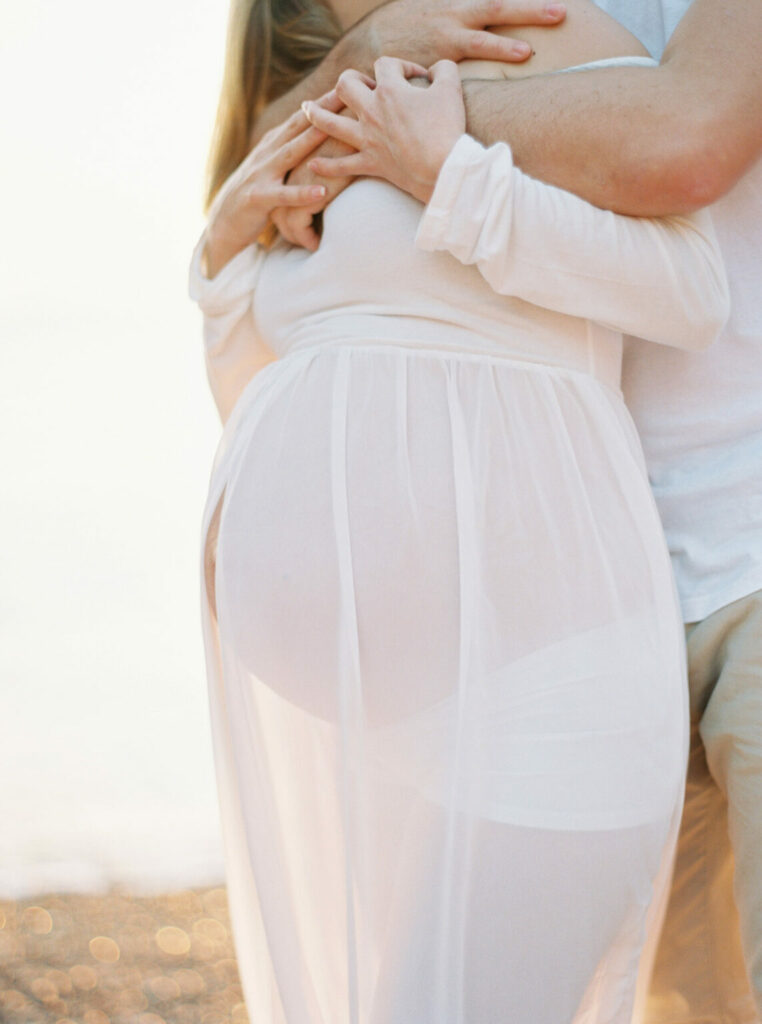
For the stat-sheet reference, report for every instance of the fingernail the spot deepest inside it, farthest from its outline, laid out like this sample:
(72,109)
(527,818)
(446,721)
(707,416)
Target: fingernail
(306,108)
(318,191)
(554,10)
(521,49)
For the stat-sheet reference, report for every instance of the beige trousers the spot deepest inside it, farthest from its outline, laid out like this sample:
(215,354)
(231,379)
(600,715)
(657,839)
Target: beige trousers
(709,963)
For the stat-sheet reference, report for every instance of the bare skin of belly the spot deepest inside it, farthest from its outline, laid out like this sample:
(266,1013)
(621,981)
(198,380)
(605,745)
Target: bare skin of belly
(210,556)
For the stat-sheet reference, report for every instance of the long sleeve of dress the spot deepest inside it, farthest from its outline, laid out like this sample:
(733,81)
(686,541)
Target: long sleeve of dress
(233,351)
(661,279)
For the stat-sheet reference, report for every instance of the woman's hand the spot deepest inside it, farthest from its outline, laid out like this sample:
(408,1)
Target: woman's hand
(402,133)
(296,224)
(241,210)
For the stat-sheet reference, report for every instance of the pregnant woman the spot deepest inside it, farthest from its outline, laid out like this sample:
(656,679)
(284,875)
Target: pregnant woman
(444,652)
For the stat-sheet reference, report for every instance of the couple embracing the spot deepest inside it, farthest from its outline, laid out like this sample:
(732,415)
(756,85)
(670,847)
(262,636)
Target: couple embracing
(447,248)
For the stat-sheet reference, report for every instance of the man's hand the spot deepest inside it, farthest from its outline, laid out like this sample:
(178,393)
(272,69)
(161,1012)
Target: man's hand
(401,133)
(296,224)
(424,31)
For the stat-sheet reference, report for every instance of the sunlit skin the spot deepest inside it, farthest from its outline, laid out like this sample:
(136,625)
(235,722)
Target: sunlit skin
(242,208)
(210,556)
(422,31)
(389,118)
(580,33)
(649,142)
(455,29)
(585,34)
(638,141)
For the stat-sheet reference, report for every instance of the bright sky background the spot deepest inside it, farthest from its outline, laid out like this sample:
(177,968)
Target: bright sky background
(107,433)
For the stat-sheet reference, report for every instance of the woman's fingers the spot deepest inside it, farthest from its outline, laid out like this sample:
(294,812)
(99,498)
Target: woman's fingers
(295,226)
(351,74)
(330,101)
(388,69)
(284,132)
(296,124)
(445,71)
(292,153)
(288,195)
(345,129)
(353,88)
(340,166)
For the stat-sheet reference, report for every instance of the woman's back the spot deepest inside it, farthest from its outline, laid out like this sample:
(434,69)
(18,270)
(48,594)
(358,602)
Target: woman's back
(369,282)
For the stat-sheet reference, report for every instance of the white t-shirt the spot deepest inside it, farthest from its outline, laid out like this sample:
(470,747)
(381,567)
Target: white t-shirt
(700,415)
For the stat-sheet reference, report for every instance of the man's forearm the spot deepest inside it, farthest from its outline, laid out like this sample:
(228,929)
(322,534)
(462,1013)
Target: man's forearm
(594,133)
(640,140)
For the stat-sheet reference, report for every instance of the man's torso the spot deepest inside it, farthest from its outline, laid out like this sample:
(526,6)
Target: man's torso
(700,415)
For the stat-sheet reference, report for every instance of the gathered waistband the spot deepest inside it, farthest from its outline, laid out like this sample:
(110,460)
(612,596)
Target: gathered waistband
(414,348)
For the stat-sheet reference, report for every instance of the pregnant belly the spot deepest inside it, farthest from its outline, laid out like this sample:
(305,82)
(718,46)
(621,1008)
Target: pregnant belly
(339,528)
(429,527)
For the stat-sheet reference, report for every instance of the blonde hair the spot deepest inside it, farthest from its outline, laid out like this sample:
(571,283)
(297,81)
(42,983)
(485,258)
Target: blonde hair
(271,45)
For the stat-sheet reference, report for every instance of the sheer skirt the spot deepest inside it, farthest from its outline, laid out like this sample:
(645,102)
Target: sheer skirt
(447,691)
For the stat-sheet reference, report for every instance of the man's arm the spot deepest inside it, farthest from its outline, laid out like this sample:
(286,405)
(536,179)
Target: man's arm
(422,31)
(637,140)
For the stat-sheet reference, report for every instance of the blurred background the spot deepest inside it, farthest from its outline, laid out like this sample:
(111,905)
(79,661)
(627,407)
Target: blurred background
(107,433)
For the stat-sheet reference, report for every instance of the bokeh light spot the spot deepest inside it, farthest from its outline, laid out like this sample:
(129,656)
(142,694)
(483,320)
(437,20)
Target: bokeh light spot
(191,983)
(44,990)
(37,921)
(211,929)
(61,980)
(104,949)
(173,940)
(84,977)
(12,1000)
(95,1017)
(215,903)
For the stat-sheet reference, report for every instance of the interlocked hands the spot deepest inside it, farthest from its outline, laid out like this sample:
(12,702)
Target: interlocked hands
(241,210)
(400,133)
(423,32)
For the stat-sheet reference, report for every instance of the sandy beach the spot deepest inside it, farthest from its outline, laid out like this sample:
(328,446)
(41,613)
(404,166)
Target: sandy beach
(119,959)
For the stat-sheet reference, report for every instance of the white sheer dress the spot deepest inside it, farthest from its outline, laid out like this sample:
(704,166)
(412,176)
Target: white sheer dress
(446,674)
